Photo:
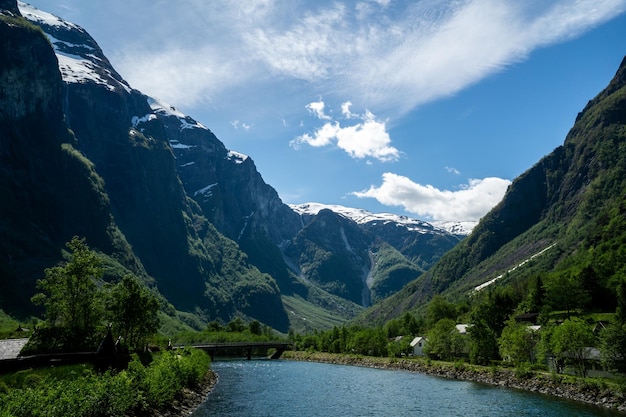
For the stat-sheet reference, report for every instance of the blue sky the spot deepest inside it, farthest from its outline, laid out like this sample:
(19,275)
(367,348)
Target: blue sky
(426,108)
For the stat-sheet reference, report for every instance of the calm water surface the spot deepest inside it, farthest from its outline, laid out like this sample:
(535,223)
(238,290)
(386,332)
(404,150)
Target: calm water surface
(289,388)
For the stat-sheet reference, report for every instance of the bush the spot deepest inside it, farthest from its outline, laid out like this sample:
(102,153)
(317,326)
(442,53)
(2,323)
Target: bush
(128,392)
(524,371)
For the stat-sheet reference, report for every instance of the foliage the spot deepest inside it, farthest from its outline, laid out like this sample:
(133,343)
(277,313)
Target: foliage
(482,342)
(564,291)
(133,310)
(488,317)
(76,303)
(439,308)
(518,343)
(570,343)
(407,325)
(369,341)
(613,346)
(235,331)
(444,341)
(130,392)
(71,296)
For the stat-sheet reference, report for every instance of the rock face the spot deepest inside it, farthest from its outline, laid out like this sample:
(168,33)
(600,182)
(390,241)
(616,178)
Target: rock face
(50,191)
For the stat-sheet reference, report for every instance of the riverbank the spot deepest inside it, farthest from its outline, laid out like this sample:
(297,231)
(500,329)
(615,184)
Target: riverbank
(191,398)
(586,391)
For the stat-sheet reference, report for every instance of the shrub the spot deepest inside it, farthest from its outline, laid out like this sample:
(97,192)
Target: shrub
(524,371)
(110,394)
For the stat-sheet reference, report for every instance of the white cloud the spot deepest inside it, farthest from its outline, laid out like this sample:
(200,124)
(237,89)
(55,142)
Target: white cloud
(470,202)
(345,110)
(368,138)
(452,170)
(389,56)
(317,108)
(236,124)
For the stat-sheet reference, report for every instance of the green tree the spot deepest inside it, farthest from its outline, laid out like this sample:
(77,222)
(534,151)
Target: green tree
(444,341)
(570,343)
(488,318)
(518,343)
(537,295)
(482,342)
(613,346)
(367,341)
(70,294)
(255,327)
(133,309)
(564,291)
(403,326)
(236,325)
(440,308)
(620,311)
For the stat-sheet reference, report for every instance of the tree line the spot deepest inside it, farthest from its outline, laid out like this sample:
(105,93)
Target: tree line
(564,337)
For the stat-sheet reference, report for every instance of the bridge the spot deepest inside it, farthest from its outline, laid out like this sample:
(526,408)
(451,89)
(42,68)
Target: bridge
(247,347)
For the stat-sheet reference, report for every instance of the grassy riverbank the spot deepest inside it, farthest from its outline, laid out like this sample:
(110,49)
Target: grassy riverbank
(162,387)
(597,392)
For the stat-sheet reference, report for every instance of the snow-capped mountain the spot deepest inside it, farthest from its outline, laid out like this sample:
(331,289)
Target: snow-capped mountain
(361,216)
(80,58)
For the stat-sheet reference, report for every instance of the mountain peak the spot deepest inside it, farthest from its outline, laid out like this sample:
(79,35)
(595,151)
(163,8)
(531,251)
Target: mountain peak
(80,58)
(361,216)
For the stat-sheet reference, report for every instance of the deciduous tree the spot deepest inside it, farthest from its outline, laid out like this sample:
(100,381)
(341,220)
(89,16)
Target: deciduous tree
(133,310)
(70,293)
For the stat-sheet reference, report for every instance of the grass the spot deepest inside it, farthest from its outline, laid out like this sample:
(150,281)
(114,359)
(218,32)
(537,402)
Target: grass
(305,316)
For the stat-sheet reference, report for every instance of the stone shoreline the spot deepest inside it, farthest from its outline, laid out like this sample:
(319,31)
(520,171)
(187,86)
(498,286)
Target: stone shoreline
(597,394)
(191,399)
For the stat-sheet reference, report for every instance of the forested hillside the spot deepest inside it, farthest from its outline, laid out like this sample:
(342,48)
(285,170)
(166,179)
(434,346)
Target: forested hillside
(562,221)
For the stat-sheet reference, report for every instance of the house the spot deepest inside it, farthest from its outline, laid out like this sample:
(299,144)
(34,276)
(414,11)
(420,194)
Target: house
(531,317)
(462,328)
(418,345)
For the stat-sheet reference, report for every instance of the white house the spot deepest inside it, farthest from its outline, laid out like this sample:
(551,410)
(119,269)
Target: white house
(462,328)
(418,345)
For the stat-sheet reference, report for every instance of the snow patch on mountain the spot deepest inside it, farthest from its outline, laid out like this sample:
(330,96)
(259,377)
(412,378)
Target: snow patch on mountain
(524,262)
(40,17)
(206,191)
(78,63)
(361,216)
(161,108)
(462,228)
(136,120)
(238,157)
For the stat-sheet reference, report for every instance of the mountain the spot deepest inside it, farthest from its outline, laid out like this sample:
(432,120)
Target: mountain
(564,217)
(67,106)
(156,193)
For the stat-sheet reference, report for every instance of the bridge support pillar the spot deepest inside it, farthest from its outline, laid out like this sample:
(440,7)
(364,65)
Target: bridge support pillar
(277,354)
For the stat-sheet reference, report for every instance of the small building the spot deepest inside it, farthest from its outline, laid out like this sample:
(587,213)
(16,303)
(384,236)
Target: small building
(462,328)
(531,318)
(418,345)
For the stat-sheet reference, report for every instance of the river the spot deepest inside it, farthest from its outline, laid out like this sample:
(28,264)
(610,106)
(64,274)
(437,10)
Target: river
(265,388)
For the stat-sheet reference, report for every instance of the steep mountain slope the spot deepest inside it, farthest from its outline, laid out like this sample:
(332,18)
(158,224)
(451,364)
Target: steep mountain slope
(562,207)
(159,195)
(132,172)
(49,190)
